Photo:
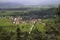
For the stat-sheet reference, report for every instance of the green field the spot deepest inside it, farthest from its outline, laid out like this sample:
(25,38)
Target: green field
(8,26)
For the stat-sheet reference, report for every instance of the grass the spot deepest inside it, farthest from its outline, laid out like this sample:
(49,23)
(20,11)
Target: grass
(8,26)
(41,27)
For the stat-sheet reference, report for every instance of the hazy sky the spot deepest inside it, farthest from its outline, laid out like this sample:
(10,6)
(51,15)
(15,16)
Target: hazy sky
(33,2)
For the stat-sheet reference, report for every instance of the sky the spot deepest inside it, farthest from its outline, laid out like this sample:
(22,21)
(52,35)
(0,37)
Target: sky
(33,2)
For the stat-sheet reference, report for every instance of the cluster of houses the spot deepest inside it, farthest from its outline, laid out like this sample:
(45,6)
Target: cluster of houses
(19,20)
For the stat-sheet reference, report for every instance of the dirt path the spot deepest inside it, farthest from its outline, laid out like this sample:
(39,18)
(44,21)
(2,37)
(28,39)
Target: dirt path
(32,27)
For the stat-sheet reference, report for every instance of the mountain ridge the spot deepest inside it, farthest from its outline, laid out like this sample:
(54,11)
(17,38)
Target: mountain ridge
(17,5)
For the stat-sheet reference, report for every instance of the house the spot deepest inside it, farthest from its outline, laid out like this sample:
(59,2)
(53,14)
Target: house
(17,20)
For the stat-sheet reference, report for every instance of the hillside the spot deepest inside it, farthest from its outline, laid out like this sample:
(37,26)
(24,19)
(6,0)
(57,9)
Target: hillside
(36,12)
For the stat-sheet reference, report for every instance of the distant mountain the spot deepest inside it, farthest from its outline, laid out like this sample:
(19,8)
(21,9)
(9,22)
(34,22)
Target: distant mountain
(18,5)
(10,5)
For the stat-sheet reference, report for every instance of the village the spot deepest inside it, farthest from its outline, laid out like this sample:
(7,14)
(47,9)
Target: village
(21,20)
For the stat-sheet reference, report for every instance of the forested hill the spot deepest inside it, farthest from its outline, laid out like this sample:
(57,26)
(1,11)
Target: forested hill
(29,12)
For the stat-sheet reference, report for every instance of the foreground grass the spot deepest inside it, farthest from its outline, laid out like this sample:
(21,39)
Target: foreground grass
(8,26)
